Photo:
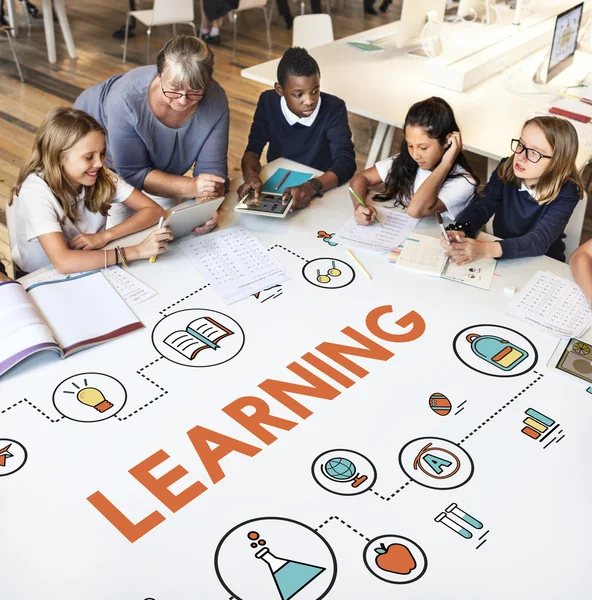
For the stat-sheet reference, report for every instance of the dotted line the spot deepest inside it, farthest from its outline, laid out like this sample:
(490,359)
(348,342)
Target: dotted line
(32,406)
(499,410)
(290,251)
(164,392)
(388,498)
(203,287)
(149,365)
(343,523)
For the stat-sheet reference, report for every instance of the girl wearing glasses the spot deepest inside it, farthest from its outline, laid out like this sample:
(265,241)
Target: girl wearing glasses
(531,196)
(163,120)
(430,174)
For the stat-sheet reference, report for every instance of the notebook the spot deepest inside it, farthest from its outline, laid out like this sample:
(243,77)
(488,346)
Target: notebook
(424,254)
(64,316)
(365,46)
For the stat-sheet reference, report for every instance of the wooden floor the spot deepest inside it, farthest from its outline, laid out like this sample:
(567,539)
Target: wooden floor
(23,105)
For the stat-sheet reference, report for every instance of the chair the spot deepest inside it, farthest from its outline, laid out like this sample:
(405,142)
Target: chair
(7,30)
(164,12)
(312,30)
(247,5)
(573,230)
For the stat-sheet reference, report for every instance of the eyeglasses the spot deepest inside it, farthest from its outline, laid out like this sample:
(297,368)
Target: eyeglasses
(531,155)
(192,96)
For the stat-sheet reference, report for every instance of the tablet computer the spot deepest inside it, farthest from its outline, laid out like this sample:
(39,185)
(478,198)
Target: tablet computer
(182,220)
(270,205)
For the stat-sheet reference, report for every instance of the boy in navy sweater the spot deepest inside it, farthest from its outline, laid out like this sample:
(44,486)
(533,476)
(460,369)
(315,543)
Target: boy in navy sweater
(302,124)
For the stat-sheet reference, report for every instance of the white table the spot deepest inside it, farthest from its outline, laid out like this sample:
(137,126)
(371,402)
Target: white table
(47,8)
(384,85)
(531,500)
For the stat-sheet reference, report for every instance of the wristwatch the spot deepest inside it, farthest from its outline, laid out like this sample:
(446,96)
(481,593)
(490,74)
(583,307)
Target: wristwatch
(317,185)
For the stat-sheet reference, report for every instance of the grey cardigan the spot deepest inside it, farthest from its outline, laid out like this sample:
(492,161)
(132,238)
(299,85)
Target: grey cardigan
(137,142)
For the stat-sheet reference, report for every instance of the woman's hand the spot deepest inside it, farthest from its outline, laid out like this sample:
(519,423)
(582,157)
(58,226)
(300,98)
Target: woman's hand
(156,243)
(454,141)
(206,185)
(364,215)
(253,184)
(89,241)
(208,226)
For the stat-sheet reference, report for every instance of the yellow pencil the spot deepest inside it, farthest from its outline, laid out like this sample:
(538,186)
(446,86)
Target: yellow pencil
(358,263)
(160,223)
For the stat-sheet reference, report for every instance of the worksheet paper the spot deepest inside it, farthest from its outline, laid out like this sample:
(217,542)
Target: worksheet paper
(395,225)
(130,288)
(553,305)
(235,263)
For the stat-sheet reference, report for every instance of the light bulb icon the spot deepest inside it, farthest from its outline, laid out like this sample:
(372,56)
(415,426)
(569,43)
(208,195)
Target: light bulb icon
(94,398)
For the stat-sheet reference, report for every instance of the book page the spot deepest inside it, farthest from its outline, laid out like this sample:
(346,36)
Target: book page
(23,331)
(82,311)
(395,225)
(553,305)
(423,253)
(477,274)
(185,343)
(234,262)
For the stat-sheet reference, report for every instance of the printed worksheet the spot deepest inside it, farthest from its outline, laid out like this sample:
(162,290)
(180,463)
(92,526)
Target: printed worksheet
(235,263)
(553,305)
(395,225)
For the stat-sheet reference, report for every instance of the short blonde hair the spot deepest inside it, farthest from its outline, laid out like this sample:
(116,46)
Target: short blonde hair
(563,139)
(188,61)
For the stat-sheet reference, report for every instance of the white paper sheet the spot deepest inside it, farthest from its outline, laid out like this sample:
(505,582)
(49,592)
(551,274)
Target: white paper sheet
(130,288)
(424,254)
(235,263)
(477,274)
(553,305)
(396,226)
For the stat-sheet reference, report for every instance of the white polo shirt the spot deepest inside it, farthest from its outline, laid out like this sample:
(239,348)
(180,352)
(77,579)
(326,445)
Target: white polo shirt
(455,193)
(36,211)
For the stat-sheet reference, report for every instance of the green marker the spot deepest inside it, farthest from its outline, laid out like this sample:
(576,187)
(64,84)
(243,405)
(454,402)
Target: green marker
(362,203)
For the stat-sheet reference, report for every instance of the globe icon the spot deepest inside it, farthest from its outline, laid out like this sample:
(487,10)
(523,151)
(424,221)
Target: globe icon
(340,469)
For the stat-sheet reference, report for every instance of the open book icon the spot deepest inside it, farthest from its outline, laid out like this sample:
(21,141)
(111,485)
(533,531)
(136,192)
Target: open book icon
(200,334)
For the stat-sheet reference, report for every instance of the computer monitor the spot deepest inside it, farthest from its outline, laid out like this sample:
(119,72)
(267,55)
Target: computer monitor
(565,40)
(414,16)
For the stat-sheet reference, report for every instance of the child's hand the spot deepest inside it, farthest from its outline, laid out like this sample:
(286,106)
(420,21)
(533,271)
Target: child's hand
(454,141)
(88,241)
(208,226)
(156,243)
(365,215)
(301,196)
(466,250)
(253,184)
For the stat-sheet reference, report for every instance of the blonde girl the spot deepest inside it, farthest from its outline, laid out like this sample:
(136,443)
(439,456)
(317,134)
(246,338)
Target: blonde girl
(532,195)
(62,197)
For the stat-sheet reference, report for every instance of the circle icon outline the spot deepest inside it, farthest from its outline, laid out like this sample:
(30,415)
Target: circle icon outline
(324,287)
(372,478)
(399,537)
(24,461)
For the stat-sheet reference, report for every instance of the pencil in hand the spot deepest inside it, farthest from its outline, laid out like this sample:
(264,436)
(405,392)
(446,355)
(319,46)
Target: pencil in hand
(160,223)
(362,203)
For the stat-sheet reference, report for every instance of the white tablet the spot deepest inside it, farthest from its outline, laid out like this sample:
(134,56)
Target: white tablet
(182,220)
(270,205)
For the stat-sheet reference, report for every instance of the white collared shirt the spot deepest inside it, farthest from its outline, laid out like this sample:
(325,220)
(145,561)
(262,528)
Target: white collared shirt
(293,119)
(533,193)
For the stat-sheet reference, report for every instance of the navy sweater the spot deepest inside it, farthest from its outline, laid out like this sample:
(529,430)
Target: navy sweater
(326,145)
(527,228)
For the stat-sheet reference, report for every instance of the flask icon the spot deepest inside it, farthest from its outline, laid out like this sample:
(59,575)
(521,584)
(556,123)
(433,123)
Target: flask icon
(497,351)
(290,576)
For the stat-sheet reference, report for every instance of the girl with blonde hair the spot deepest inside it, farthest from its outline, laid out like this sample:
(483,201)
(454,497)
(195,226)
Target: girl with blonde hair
(531,196)
(63,195)
(163,120)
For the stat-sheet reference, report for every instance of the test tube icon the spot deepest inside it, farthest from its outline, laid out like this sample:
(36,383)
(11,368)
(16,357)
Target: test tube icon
(445,520)
(455,510)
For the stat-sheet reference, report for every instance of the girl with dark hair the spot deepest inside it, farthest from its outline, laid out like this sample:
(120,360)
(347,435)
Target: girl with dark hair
(430,174)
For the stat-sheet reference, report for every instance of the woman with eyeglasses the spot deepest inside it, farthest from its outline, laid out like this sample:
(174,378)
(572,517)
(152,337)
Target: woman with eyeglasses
(531,196)
(163,119)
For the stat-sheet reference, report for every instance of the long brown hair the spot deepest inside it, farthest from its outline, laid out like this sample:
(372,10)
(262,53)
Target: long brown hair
(563,139)
(61,129)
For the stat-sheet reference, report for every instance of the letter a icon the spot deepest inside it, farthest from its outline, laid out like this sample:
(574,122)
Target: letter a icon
(436,463)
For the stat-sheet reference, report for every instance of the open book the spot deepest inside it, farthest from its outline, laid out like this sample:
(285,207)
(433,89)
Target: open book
(201,334)
(65,316)
(425,254)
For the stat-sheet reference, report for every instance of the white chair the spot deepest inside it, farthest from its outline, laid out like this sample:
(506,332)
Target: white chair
(312,30)
(573,231)
(164,12)
(248,5)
